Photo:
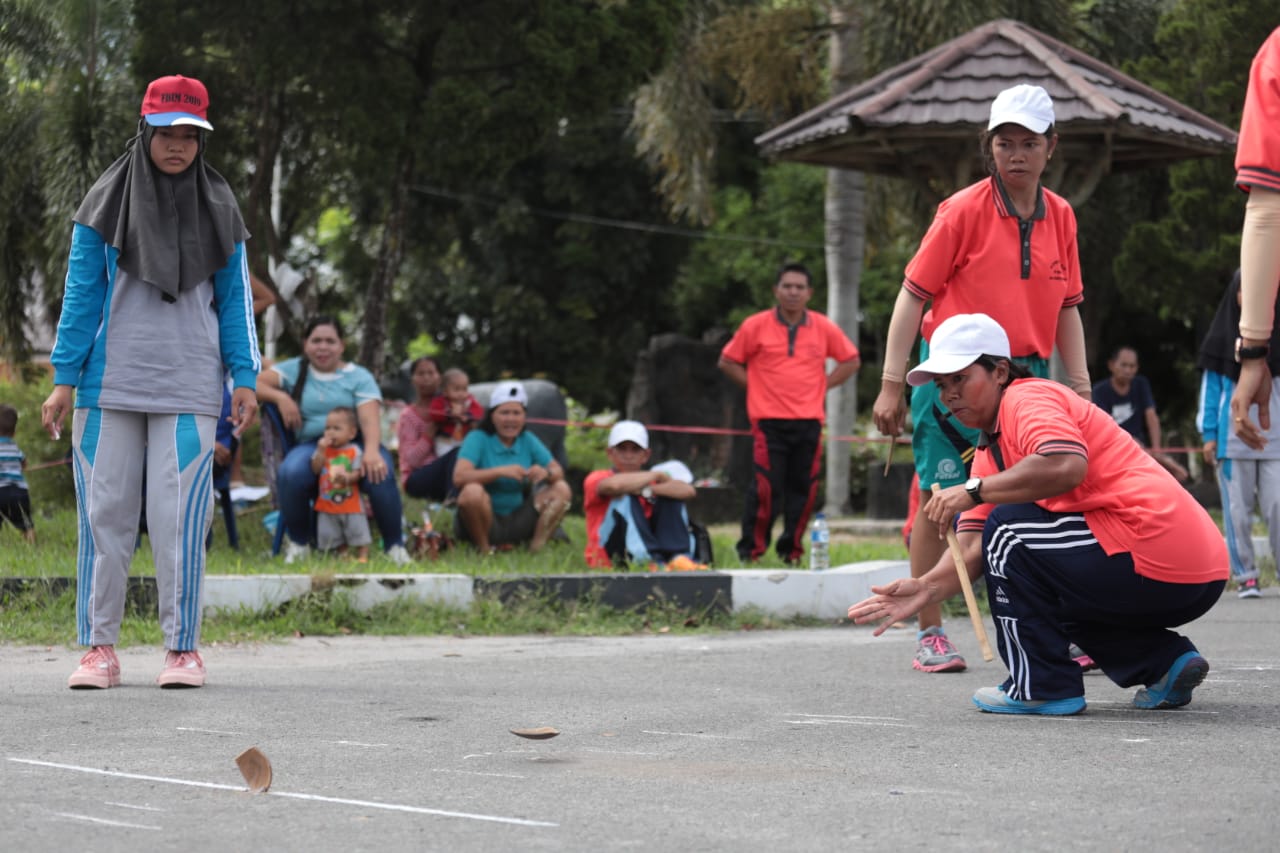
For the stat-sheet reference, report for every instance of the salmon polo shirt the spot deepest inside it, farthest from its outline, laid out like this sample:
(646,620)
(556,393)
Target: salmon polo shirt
(787,365)
(978,257)
(1258,149)
(1129,502)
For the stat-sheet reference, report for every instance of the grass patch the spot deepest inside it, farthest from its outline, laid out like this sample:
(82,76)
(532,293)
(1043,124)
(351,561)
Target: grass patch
(36,617)
(54,554)
(39,616)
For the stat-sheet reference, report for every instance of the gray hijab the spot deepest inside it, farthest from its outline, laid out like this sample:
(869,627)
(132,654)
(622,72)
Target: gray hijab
(172,231)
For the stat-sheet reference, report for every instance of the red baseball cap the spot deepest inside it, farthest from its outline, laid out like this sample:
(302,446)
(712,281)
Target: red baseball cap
(176,100)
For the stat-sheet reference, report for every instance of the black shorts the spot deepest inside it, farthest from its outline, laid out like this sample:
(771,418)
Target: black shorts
(514,528)
(15,507)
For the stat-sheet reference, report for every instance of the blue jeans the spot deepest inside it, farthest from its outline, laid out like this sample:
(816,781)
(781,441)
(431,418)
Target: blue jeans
(433,481)
(296,486)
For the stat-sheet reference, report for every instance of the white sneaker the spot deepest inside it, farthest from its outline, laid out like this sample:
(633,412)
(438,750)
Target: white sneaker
(398,555)
(293,552)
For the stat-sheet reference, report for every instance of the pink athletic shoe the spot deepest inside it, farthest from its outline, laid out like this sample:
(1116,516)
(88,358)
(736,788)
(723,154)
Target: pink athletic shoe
(1078,655)
(181,669)
(98,670)
(935,653)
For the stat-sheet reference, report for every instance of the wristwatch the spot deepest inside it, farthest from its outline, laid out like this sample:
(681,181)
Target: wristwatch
(974,487)
(1244,353)
(647,493)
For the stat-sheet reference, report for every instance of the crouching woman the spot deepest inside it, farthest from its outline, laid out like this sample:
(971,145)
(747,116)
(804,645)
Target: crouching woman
(1082,536)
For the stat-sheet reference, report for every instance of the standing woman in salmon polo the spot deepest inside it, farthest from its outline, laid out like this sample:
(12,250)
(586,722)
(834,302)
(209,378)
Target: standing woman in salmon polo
(1005,246)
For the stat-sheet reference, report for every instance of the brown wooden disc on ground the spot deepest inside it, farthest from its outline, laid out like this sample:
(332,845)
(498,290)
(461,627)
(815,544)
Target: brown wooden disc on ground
(541,733)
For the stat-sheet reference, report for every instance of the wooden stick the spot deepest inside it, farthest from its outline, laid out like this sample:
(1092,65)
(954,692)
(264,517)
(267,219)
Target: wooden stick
(975,615)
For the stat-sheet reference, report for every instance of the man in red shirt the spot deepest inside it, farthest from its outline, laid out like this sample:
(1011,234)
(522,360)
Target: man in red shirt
(780,357)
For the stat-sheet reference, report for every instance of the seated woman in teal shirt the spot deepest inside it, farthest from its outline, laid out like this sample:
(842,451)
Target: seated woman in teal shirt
(510,489)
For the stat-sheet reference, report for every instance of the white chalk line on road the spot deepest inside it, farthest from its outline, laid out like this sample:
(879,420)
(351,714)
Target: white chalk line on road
(369,804)
(104,822)
(694,734)
(846,717)
(478,773)
(850,723)
(132,806)
(208,731)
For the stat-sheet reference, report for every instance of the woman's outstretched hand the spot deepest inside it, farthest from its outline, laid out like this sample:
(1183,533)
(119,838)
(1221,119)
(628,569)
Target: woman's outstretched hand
(893,602)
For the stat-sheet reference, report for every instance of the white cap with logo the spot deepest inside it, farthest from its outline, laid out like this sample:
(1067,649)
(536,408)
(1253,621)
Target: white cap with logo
(508,392)
(957,343)
(1024,105)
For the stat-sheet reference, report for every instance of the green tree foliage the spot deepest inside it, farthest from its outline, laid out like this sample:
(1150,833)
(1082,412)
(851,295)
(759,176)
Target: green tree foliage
(554,270)
(361,103)
(1182,240)
(64,95)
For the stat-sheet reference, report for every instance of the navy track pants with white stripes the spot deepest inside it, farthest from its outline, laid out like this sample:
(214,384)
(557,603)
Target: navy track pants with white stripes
(1050,584)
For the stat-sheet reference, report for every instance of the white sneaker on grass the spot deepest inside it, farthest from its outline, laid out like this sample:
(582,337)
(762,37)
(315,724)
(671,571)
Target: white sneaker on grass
(295,553)
(398,555)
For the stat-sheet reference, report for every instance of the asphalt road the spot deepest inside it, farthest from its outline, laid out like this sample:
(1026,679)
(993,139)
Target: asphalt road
(788,740)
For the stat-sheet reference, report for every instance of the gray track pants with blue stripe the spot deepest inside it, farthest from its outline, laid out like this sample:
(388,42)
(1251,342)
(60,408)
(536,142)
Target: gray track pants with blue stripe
(110,449)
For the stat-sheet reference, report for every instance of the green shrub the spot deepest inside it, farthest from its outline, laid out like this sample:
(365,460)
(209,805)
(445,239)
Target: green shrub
(586,445)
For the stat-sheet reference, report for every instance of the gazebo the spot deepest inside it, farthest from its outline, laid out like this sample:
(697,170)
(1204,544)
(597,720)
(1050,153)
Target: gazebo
(920,120)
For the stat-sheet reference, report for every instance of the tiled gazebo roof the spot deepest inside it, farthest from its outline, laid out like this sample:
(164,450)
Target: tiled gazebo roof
(921,119)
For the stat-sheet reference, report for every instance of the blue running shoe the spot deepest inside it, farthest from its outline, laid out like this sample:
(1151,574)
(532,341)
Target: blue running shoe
(993,700)
(1174,690)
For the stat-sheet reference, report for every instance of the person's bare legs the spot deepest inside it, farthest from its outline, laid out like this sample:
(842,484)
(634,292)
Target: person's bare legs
(934,652)
(925,551)
(476,512)
(551,504)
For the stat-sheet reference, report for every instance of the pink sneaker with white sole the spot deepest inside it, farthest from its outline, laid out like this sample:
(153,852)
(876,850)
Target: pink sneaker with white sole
(98,670)
(181,669)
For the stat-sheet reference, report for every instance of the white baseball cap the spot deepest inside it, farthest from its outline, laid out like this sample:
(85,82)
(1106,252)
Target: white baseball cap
(957,343)
(508,392)
(676,470)
(632,431)
(1025,105)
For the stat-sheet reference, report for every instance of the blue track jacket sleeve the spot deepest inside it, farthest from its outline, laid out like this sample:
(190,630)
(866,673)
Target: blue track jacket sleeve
(83,300)
(238,337)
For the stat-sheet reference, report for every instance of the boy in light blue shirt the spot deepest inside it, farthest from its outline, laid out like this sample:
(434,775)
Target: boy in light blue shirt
(15,498)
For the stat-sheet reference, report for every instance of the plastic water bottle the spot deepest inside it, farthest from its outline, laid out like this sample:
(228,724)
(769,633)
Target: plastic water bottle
(819,543)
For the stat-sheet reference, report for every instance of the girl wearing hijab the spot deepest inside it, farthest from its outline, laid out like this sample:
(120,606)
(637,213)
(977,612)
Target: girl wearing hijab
(157,309)
(1245,475)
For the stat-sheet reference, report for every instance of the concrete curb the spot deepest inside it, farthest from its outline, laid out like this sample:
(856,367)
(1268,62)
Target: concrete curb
(778,592)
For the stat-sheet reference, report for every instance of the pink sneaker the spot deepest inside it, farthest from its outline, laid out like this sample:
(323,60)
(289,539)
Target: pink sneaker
(181,669)
(98,670)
